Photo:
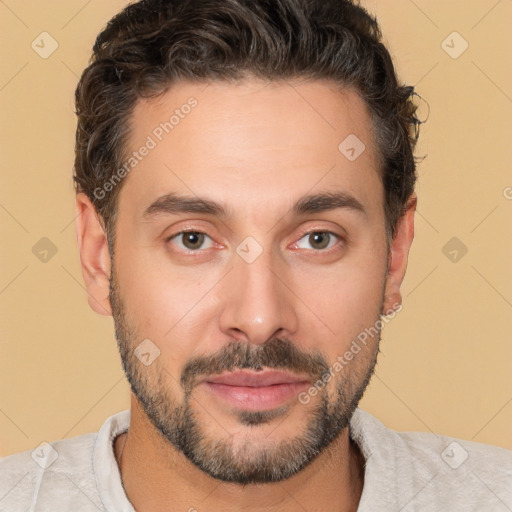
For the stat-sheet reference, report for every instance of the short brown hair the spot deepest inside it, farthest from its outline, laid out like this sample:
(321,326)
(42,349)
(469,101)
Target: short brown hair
(152,44)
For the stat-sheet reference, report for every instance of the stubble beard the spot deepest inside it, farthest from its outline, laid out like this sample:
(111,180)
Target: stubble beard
(245,462)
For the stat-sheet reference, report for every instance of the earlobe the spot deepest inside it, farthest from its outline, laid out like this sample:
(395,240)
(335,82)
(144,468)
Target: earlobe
(94,255)
(397,259)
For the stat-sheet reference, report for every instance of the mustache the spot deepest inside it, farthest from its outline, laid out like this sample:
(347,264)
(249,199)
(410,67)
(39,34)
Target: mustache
(278,353)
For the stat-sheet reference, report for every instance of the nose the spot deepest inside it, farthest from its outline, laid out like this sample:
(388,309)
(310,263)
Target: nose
(257,301)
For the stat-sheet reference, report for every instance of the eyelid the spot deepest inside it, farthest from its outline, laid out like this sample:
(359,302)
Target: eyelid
(186,230)
(341,239)
(307,231)
(319,229)
(190,230)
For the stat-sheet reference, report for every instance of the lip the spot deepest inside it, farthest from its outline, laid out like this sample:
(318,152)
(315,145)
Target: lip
(256,391)
(252,378)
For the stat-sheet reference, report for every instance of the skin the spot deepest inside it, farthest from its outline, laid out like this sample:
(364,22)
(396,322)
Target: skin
(257,148)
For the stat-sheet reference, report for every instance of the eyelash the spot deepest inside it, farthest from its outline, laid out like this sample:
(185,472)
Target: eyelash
(335,247)
(303,234)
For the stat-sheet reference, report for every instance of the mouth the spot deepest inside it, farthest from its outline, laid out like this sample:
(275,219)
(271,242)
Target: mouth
(256,391)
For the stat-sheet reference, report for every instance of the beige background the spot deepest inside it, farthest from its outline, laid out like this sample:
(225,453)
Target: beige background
(446,358)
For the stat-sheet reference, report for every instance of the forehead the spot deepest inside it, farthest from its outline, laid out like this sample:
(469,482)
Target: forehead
(252,140)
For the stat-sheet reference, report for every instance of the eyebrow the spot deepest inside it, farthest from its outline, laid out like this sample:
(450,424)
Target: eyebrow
(314,203)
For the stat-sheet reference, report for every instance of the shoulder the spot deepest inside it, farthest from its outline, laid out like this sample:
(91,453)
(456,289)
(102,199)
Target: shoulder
(428,447)
(432,471)
(455,452)
(56,454)
(459,472)
(49,472)
(68,474)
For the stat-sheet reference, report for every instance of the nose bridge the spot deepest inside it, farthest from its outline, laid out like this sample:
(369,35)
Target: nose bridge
(256,302)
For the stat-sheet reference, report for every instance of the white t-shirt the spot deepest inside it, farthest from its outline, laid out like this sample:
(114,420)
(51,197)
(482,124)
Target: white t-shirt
(404,471)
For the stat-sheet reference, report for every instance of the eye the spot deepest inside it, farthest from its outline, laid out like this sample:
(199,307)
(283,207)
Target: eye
(319,240)
(190,240)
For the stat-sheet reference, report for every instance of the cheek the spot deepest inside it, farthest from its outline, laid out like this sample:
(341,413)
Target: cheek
(346,300)
(158,304)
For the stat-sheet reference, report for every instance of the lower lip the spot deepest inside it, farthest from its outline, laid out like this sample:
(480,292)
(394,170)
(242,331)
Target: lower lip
(257,398)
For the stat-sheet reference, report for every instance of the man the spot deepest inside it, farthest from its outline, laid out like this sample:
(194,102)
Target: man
(245,190)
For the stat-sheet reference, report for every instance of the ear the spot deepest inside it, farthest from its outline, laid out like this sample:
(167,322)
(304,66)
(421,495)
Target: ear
(397,258)
(94,255)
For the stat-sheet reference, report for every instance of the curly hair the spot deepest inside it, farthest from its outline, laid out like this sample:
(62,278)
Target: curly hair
(152,44)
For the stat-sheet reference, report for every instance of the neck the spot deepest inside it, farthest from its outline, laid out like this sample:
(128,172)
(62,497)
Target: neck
(155,474)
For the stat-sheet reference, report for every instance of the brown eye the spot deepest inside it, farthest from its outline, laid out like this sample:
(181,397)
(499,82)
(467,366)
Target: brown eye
(189,240)
(319,240)
(192,240)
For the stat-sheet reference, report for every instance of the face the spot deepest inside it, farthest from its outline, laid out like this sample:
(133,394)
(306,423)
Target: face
(250,253)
